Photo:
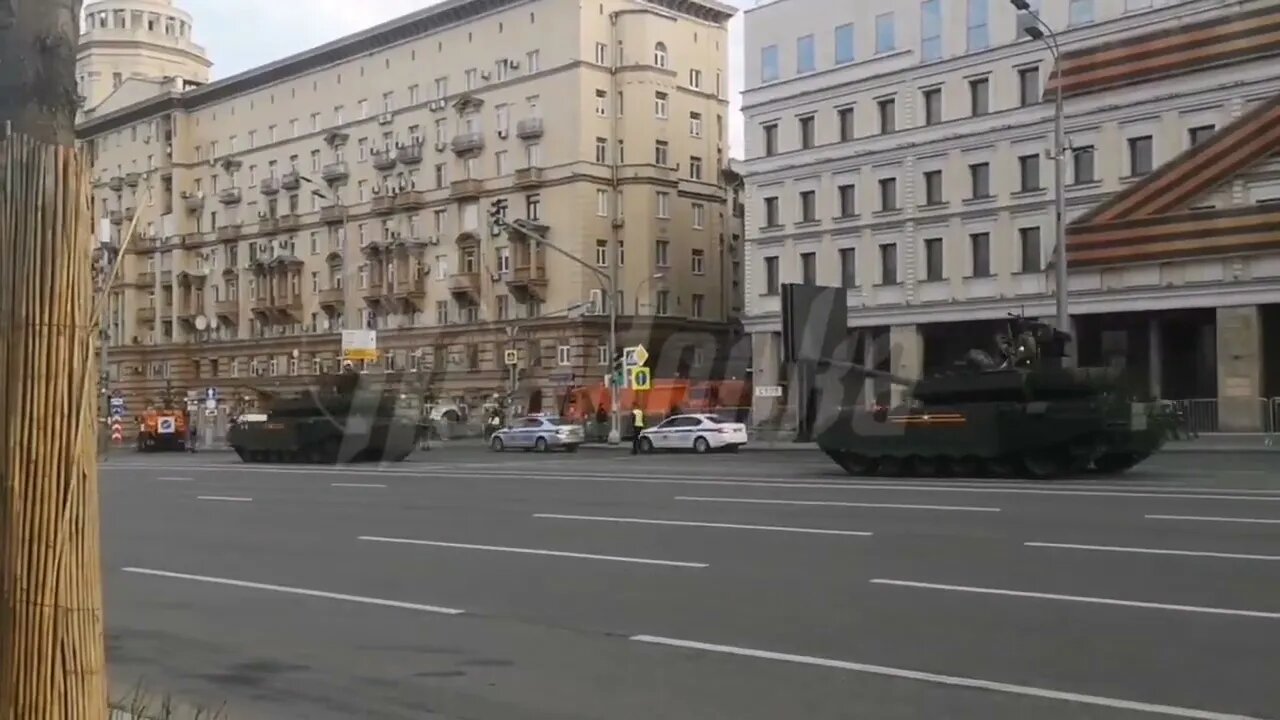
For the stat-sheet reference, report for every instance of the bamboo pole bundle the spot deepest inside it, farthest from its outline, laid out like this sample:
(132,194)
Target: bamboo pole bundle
(51,627)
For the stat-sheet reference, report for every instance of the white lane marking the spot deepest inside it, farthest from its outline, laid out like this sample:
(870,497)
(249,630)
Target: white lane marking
(1170,710)
(776,528)
(462,473)
(358,485)
(531,551)
(297,591)
(175,479)
(1213,519)
(224,499)
(838,504)
(1081,598)
(1154,551)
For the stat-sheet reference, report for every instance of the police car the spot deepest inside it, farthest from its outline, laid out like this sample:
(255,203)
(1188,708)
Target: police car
(538,432)
(700,433)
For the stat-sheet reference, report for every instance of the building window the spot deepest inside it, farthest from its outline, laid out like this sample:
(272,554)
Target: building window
(660,153)
(808,206)
(848,268)
(1197,135)
(809,268)
(887,109)
(1028,86)
(1140,156)
(931,30)
(885,37)
(888,194)
(1029,168)
(848,200)
(770,139)
(699,216)
(932,105)
(1029,242)
(1080,12)
(768,63)
(980,181)
(662,304)
(602,203)
(695,168)
(805,62)
(771,275)
(695,124)
(602,103)
(602,54)
(977,36)
(695,78)
(660,105)
(602,150)
(889,264)
(844,120)
(806,132)
(980,250)
(660,55)
(697,262)
(933,259)
(697,308)
(771,212)
(1082,164)
(933,187)
(979,96)
(844,44)
(564,355)
(664,204)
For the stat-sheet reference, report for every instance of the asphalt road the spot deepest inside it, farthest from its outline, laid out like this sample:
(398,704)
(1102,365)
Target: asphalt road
(473,586)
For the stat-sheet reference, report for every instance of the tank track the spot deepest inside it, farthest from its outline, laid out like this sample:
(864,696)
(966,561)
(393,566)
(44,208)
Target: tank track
(319,456)
(1046,466)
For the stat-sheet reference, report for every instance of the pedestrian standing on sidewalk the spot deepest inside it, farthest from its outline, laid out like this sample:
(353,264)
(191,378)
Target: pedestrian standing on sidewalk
(637,424)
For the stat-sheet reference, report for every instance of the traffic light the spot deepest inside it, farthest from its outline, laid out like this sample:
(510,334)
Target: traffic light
(618,370)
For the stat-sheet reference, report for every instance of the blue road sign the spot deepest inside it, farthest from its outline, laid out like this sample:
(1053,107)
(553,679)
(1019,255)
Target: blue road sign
(117,411)
(211,393)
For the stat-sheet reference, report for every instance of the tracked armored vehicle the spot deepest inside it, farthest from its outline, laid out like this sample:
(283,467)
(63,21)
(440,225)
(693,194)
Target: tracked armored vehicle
(1024,415)
(338,421)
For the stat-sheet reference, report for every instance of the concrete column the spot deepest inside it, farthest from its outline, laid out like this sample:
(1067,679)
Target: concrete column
(1239,344)
(869,362)
(766,370)
(1155,358)
(906,356)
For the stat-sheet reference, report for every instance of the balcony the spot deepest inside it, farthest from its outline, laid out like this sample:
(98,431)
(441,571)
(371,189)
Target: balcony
(132,179)
(287,306)
(528,282)
(410,154)
(383,159)
(146,279)
(291,180)
(194,202)
(129,213)
(383,204)
(146,315)
(116,217)
(269,186)
(336,172)
(411,200)
(227,308)
(466,284)
(372,292)
(333,214)
(468,143)
(115,183)
(468,188)
(410,289)
(289,222)
(268,225)
(230,196)
(528,177)
(333,297)
(529,128)
(229,232)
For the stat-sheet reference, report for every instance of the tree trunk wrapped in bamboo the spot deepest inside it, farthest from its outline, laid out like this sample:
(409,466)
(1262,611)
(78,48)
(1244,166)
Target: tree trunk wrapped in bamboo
(51,628)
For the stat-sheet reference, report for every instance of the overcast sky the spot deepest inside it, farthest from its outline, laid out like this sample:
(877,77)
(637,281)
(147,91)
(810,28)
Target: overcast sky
(242,34)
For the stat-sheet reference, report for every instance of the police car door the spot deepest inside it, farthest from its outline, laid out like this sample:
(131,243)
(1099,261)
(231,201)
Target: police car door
(527,434)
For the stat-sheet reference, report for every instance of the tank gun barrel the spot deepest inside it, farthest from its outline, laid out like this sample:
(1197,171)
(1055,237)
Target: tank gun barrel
(895,379)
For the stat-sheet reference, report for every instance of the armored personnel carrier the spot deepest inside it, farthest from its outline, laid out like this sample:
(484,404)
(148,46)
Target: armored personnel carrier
(338,421)
(1024,415)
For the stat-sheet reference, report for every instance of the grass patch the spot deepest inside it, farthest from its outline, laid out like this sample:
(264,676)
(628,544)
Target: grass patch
(141,704)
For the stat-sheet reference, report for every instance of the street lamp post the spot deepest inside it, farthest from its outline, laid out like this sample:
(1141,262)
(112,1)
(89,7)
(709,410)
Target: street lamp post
(610,280)
(1042,32)
(655,276)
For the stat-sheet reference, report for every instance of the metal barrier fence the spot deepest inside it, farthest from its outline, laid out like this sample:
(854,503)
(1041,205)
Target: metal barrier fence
(1201,414)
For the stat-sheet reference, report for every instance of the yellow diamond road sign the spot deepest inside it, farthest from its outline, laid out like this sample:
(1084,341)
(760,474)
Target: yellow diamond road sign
(639,355)
(640,377)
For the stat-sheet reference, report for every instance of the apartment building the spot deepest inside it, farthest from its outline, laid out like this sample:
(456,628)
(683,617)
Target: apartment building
(135,48)
(350,186)
(902,149)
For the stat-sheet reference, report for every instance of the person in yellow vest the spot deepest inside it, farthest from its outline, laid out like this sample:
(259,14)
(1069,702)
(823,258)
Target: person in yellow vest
(637,424)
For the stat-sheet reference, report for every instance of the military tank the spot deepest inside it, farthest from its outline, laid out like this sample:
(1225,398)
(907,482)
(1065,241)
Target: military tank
(337,421)
(1022,415)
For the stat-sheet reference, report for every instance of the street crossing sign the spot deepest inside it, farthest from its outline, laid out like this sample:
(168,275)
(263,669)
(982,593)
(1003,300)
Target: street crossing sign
(640,378)
(511,357)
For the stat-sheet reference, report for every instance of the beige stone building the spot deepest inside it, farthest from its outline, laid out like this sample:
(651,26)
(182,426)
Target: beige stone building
(349,187)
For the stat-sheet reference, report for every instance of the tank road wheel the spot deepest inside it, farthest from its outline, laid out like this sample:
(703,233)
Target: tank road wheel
(889,466)
(540,445)
(924,466)
(1046,464)
(855,464)
(1116,463)
(967,467)
(1001,467)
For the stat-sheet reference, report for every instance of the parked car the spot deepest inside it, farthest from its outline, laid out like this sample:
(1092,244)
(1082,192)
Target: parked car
(538,432)
(700,433)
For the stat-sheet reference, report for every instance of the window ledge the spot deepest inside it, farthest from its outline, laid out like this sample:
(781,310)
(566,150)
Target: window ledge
(979,277)
(845,218)
(1085,185)
(887,213)
(1029,272)
(808,223)
(979,200)
(887,284)
(1029,193)
(935,281)
(770,228)
(935,206)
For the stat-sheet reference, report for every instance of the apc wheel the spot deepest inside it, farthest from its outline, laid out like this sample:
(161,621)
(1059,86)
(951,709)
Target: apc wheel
(855,464)
(496,444)
(540,445)
(646,445)
(700,445)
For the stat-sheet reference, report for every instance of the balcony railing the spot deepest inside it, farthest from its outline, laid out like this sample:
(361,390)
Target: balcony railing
(332,296)
(132,179)
(333,214)
(146,315)
(529,128)
(290,222)
(335,172)
(269,186)
(468,143)
(383,159)
(229,232)
(411,200)
(410,154)
(291,180)
(146,279)
(383,204)
(465,283)
(230,196)
(227,308)
(194,202)
(466,188)
(528,176)
(115,183)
